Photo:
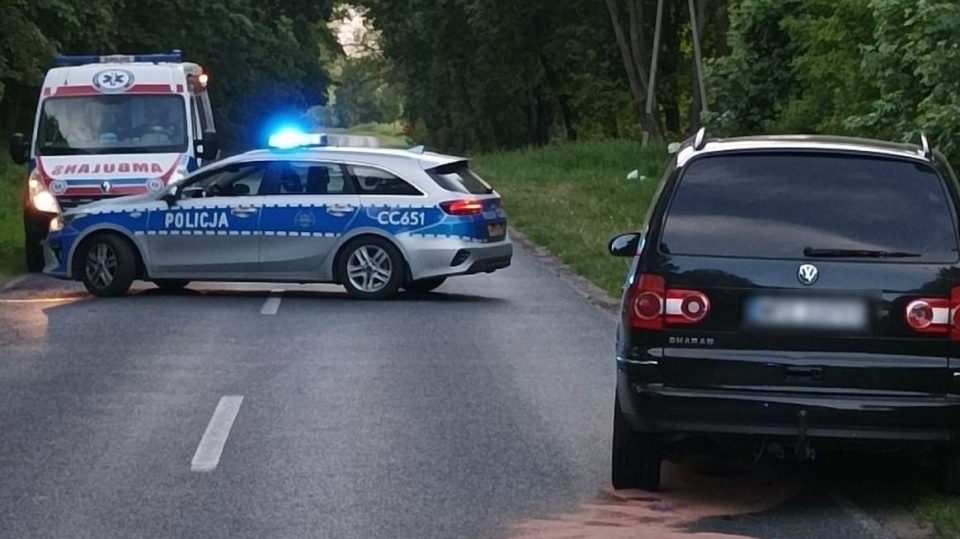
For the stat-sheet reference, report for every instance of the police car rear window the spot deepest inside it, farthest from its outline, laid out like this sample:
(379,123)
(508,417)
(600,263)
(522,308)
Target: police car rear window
(778,205)
(458,177)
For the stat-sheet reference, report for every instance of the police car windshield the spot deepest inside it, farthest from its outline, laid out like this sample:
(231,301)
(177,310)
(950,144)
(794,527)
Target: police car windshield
(112,124)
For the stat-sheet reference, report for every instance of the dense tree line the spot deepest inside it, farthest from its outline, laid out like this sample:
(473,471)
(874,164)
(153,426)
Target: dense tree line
(265,57)
(477,75)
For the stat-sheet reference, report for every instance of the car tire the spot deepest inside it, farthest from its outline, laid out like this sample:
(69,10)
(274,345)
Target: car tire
(107,265)
(637,456)
(171,285)
(424,285)
(371,268)
(950,471)
(33,251)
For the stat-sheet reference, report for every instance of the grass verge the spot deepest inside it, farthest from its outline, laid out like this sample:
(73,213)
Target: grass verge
(572,198)
(941,512)
(11,218)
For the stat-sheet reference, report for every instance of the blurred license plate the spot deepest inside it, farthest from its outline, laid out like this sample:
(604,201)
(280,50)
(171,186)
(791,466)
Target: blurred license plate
(495,230)
(807,313)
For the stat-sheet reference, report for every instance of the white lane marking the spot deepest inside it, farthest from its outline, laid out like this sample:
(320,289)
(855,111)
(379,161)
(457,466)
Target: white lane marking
(211,445)
(14,282)
(272,305)
(865,521)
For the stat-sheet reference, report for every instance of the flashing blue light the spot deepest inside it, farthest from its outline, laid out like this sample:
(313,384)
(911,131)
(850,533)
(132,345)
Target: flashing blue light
(171,58)
(291,138)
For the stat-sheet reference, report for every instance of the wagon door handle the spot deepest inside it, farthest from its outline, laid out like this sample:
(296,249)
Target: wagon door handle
(804,374)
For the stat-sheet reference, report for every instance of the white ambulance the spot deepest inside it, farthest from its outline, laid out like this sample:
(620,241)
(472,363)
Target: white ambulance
(110,126)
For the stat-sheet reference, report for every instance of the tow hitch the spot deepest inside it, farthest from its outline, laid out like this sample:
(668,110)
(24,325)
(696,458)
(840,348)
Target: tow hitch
(804,451)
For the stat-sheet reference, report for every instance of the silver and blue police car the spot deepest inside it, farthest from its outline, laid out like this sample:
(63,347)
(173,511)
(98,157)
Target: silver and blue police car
(372,220)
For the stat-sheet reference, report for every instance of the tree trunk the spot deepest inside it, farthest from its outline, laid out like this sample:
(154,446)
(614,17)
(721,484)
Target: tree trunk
(633,52)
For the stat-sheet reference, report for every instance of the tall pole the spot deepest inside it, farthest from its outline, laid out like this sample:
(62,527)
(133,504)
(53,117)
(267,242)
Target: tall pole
(697,55)
(651,88)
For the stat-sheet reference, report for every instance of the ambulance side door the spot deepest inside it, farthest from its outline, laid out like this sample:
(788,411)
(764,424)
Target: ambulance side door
(213,228)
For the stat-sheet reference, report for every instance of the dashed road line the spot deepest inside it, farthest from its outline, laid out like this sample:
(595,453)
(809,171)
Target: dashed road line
(211,445)
(272,305)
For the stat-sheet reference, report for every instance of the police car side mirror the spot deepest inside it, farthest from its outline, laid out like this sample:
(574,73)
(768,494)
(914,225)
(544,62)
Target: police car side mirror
(208,148)
(19,149)
(170,197)
(625,245)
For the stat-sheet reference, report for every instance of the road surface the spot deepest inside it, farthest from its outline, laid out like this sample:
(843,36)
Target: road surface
(232,411)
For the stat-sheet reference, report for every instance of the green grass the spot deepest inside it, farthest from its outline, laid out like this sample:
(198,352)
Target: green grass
(941,512)
(390,135)
(11,217)
(572,198)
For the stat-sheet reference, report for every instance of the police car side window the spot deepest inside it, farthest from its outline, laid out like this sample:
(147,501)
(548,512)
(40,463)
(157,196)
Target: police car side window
(374,181)
(242,179)
(310,178)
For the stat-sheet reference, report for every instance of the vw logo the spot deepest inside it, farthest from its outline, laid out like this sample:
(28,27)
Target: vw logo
(113,80)
(106,186)
(808,274)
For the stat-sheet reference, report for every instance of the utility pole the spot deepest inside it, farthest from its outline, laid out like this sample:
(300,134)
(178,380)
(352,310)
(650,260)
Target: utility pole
(697,57)
(652,87)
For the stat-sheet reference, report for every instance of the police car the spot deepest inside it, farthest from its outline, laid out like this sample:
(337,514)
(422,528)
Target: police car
(372,220)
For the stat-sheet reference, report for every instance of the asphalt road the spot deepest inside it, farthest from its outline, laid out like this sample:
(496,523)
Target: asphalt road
(481,411)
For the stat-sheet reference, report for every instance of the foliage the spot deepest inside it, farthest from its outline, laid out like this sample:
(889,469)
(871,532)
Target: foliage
(264,57)
(914,64)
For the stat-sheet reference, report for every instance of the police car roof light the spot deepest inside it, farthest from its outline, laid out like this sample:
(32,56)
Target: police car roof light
(65,61)
(290,139)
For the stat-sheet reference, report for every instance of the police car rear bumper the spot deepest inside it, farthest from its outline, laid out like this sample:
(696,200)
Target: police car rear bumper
(458,258)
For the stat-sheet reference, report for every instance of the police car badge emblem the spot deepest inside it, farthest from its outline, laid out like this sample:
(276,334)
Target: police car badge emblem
(112,81)
(106,187)
(305,219)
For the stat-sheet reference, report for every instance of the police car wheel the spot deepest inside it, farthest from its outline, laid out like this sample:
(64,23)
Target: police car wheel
(371,268)
(108,266)
(424,285)
(171,285)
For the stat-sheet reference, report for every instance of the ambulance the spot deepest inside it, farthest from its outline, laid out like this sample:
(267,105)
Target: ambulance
(111,126)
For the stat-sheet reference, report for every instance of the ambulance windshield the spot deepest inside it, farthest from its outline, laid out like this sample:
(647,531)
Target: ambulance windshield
(112,124)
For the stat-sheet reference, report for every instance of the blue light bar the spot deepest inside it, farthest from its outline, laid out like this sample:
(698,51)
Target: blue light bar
(170,58)
(291,138)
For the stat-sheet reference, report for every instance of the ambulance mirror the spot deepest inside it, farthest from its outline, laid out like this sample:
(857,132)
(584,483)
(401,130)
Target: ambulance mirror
(19,149)
(208,148)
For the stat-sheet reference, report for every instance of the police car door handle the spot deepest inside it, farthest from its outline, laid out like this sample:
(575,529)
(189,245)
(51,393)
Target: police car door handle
(243,212)
(338,210)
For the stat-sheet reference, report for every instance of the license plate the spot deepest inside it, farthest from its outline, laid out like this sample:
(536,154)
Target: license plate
(807,313)
(495,230)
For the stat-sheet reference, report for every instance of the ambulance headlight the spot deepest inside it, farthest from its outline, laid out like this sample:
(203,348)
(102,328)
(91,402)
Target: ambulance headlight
(41,197)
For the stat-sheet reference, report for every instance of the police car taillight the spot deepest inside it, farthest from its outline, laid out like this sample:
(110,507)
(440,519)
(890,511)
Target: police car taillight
(462,207)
